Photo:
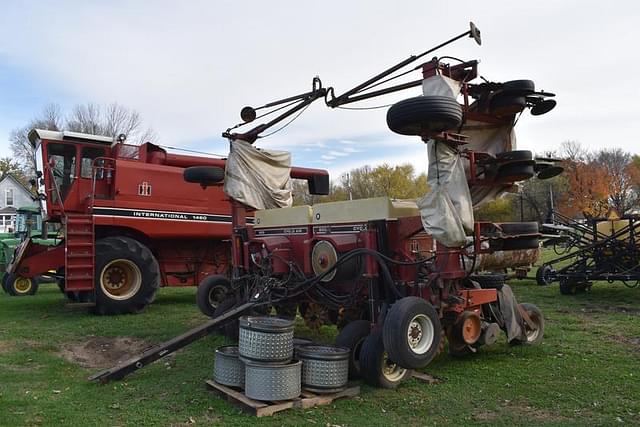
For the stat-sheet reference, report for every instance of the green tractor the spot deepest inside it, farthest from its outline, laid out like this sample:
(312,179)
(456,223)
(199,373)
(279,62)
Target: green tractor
(28,224)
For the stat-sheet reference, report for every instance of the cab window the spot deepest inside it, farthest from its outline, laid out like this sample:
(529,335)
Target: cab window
(89,154)
(62,159)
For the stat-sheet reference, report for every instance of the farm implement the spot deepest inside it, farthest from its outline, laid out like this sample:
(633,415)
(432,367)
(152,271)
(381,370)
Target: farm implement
(606,249)
(398,278)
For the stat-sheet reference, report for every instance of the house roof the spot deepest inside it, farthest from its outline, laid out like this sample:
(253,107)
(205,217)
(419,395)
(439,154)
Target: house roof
(17,181)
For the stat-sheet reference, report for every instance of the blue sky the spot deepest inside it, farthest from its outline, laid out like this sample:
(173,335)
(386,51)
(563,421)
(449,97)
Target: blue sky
(189,67)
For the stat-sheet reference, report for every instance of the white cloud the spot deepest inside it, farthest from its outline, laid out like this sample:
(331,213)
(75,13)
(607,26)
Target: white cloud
(351,150)
(337,153)
(325,157)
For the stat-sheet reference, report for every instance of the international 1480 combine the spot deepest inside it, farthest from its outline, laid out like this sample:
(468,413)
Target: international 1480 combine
(397,278)
(130,222)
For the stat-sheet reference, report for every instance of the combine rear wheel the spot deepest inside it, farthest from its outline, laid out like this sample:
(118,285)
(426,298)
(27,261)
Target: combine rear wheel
(19,286)
(127,276)
(211,292)
(376,367)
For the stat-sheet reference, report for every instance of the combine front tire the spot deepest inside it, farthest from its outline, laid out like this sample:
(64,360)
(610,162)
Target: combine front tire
(412,332)
(211,292)
(127,276)
(376,367)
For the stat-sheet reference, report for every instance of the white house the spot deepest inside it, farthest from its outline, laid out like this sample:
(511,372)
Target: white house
(13,195)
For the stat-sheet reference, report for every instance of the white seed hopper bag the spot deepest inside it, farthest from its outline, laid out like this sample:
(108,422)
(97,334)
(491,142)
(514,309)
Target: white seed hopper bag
(446,211)
(258,178)
(492,139)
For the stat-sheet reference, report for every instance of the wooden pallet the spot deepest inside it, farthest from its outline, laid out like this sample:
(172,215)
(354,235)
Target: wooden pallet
(265,409)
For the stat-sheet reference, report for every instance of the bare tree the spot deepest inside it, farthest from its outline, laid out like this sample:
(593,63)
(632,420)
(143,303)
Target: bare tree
(50,118)
(574,151)
(111,121)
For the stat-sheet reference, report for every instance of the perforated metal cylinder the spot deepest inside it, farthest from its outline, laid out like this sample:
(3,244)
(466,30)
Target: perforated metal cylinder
(267,340)
(324,368)
(273,382)
(229,369)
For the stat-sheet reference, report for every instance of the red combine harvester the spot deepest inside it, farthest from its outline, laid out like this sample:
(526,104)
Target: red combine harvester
(397,278)
(131,224)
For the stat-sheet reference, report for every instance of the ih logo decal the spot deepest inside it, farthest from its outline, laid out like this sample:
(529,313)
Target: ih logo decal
(144,189)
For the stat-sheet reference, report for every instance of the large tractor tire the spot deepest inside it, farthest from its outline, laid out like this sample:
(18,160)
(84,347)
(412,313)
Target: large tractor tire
(412,332)
(19,286)
(376,367)
(212,290)
(127,276)
(424,114)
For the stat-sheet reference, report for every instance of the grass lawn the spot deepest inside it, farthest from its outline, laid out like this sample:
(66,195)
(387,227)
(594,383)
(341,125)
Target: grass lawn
(584,373)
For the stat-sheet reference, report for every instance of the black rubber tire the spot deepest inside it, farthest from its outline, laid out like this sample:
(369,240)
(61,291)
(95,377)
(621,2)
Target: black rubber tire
(515,155)
(127,249)
(422,114)
(352,336)
(567,287)
(504,104)
(373,359)
(230,329)
(204,175)
(515,172)
(518,243)
(489,281)
(396,328)
(515,228)
(543,275)
(212,290)
(519,87)
(10,284)
(4,283)
(536,316)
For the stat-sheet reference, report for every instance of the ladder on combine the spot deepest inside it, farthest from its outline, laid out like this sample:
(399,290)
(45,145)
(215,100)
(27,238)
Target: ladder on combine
(79,252)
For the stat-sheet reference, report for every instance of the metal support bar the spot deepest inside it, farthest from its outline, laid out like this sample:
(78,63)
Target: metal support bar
(168,347)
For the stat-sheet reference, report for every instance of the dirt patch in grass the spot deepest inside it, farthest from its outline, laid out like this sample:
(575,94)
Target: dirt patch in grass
(5,347)
(634,342)
(520,410)
(604,308)
(103,352)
